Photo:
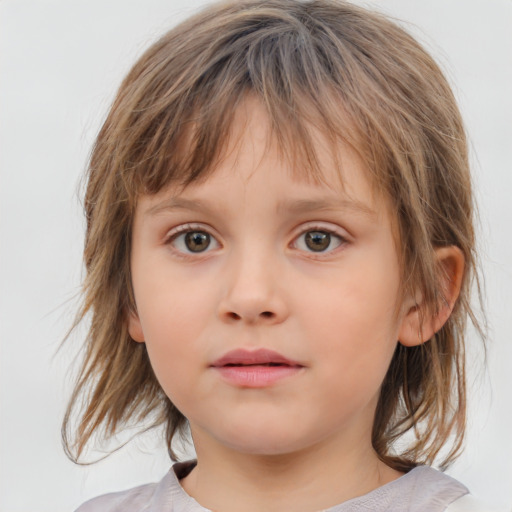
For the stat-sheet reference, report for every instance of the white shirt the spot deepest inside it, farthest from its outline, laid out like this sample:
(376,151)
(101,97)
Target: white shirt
(423,489)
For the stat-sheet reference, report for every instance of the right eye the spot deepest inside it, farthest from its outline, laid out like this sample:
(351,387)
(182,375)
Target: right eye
(192,241)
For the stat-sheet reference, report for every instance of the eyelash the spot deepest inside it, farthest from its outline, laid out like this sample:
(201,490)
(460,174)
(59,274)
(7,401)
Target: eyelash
(183,230)
(333,235)
(190,228)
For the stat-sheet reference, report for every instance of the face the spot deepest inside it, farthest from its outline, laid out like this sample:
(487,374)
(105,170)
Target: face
(267,302)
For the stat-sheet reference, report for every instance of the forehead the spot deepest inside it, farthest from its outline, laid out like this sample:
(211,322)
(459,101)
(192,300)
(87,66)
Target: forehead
(254,158)
(311,154)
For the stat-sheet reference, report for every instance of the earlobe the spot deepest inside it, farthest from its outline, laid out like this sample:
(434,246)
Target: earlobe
(135,327)
(418,325)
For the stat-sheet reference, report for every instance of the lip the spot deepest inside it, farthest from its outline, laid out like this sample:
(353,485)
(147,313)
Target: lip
(255,368)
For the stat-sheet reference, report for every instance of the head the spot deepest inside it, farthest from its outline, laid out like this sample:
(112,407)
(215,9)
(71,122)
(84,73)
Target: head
(326,77)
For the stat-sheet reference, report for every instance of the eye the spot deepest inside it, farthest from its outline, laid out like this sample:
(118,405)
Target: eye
(318,240)
(190,240)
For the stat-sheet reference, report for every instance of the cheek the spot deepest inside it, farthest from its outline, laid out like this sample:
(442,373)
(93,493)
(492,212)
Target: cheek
(354,330)
(173,326)
(173,317)
(171,304)
(358,304)
(175,356)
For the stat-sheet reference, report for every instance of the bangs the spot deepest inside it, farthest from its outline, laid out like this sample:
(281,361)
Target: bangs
(195,148)
(178,115)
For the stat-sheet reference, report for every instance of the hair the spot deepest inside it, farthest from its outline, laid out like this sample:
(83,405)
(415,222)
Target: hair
(359,78)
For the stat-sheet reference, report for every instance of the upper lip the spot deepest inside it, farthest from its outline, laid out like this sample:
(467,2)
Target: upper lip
(253,357)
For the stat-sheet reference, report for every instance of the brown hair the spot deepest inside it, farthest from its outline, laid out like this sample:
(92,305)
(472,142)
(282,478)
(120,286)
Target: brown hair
(360,78)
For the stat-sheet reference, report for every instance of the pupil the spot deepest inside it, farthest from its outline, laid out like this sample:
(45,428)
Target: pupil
(197,241)
(318,240)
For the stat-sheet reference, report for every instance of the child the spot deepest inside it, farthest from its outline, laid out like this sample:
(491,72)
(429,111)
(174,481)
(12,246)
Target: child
(279,256)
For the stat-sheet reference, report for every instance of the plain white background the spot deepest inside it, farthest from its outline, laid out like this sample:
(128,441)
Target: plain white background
(61,63)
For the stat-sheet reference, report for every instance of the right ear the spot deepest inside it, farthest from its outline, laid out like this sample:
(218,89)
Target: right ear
(135,327)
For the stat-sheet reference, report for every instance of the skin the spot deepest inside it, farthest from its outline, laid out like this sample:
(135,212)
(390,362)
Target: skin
(303,443)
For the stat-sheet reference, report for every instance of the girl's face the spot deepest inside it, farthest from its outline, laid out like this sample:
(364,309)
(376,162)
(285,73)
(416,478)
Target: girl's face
(267,303)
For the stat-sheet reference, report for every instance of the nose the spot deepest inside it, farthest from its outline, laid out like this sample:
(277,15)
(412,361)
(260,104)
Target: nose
(254,291)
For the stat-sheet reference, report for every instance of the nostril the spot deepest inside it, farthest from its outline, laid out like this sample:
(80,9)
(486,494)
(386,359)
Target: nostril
(232,316)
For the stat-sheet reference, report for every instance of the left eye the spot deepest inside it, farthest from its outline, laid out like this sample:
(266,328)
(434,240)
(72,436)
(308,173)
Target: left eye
(193,241)
(318,241)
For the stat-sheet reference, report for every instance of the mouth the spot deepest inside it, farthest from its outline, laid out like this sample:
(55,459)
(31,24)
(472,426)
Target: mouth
(255,369)
(248,358)
(256,364)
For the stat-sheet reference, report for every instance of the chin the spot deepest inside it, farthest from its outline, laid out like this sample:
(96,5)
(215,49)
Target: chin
(268,441)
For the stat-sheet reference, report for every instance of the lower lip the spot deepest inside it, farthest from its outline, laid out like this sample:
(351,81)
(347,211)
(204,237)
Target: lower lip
(256,376)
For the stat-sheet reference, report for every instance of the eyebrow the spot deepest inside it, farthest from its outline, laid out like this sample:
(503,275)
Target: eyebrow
(177,203)
(323,204)
(294,206)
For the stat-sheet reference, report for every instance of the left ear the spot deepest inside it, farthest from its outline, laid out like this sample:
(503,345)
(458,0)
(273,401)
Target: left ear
(135,327)
(417,328)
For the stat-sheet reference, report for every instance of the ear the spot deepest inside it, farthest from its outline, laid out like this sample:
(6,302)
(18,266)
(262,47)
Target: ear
(135,327)
(417,328)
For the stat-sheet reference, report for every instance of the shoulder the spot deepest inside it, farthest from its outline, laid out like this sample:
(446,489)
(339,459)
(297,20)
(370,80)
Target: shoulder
(157,497)
(422,489)
(436,488)
(429,483)
(131,500)
(469,503)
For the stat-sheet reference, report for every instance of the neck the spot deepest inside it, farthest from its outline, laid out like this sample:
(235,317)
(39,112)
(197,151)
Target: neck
(315,478)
